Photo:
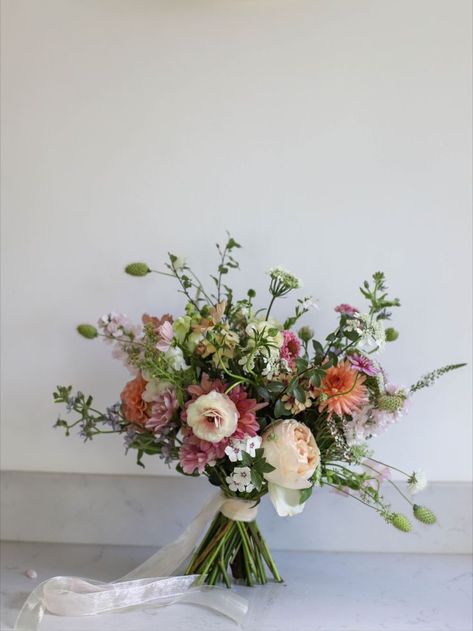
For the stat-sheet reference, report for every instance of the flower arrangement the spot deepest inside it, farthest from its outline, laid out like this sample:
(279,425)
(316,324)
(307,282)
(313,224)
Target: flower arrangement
(226,391)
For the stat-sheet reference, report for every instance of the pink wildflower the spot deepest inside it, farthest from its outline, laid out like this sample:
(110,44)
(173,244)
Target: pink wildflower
(346,309)
(363,364)
(291,348)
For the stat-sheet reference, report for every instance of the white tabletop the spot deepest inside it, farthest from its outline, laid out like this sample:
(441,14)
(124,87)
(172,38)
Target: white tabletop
(323,591)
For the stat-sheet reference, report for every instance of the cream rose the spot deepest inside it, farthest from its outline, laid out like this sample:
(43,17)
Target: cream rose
(290,448)
(212,416)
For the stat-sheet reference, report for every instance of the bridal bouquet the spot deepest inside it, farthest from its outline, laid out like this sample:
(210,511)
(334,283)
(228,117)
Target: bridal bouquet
(256,405)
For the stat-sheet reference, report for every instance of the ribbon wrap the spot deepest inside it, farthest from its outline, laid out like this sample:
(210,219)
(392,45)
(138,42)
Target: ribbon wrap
(151,584)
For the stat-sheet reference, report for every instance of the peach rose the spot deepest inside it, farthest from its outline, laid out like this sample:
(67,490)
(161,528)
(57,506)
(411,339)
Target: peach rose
(290,448)
(212,416)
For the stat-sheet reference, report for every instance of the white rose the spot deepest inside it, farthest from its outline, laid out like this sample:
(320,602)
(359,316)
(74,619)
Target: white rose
(212,416)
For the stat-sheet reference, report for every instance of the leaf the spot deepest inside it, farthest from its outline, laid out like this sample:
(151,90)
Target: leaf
(279,409)
(318,348)
(263,393)
(275,387)
(301,364)
(246,459)
(305,494)
(299,393)
(257,479)
(139,456)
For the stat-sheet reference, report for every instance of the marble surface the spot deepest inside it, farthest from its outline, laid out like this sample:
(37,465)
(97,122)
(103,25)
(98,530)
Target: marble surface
(143,510)
(323,591)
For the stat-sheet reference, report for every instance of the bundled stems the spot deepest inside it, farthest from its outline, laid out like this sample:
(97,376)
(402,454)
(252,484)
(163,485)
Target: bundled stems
(232,548)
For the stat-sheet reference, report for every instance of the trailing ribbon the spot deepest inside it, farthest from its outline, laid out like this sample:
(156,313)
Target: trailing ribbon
(151,583)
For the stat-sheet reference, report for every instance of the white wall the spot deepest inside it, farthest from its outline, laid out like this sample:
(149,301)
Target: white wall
(329,136)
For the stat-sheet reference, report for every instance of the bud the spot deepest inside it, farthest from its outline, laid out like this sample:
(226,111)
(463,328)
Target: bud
(390,402)
(137,269)
(251,293)
(306,333)
(400,521)
(87,330)
(424,514)
(391,334)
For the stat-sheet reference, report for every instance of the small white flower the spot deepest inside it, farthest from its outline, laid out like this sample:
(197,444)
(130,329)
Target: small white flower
(240,480)
(251,445)
(234,451)
(308,304)
(417,481)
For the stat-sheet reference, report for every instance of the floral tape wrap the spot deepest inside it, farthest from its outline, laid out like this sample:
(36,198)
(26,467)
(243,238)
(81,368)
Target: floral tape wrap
(151,584)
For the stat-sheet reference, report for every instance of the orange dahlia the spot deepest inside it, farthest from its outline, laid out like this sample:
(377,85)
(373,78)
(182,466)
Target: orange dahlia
(344,389)
(133,407)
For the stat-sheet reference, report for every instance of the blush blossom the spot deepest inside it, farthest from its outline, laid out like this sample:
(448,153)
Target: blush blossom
(247,424)
(212,416)
(166,333)
(289,447)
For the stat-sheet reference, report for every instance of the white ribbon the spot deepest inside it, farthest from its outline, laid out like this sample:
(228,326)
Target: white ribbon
(151,583)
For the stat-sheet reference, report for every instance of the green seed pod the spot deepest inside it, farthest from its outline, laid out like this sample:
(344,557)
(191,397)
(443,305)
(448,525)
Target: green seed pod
(424,514)
(391,334)
(251,293)
(87,330)
(306,333)
(137,269)
(400,521)
(390,402)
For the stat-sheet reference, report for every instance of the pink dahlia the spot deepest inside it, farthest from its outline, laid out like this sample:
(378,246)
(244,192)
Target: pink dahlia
(291,348)
(197,454)
(247,422)
(346,309)
(162,410)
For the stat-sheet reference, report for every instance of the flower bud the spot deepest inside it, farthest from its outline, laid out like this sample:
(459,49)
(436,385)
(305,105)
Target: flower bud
(306,333)
(391,334)
(400,521)
(137,269)
(251,293)
(87,330)
(424,514)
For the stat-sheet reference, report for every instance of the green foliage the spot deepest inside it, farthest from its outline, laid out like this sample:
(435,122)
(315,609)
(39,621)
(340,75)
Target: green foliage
(377,296)
(259,466)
